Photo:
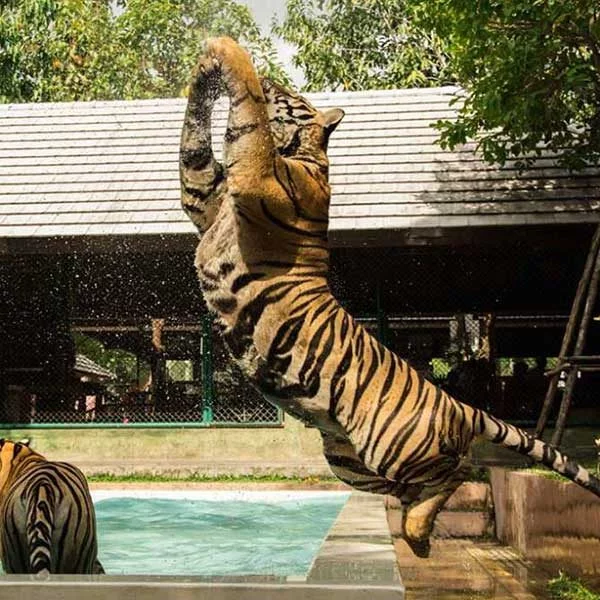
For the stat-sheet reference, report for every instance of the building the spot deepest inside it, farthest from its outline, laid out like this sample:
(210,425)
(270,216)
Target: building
(429,247)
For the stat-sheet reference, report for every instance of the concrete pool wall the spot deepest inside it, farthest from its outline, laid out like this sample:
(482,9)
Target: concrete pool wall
(290,449)
(555,523)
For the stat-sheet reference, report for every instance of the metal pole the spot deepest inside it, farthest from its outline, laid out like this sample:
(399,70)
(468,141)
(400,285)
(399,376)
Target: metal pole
(569,331)
(381,316)
(207,370)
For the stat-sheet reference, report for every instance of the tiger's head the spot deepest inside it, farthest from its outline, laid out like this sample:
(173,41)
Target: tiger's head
(11,455)
(299,130)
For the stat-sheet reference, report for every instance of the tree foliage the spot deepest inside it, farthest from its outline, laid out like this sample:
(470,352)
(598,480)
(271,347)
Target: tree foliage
(56,50)
(121,362)
(362,44)
(531,74)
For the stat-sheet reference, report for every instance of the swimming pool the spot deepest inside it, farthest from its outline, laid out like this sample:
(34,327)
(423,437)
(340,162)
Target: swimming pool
(212,533)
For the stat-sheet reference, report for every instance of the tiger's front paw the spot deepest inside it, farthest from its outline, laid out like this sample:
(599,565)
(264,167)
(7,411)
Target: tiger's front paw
(235,64)
(206,83)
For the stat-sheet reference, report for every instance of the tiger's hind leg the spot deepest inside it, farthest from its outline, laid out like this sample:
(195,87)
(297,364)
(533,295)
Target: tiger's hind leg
(202,178)
(410,509)
(419,506)
(349,468)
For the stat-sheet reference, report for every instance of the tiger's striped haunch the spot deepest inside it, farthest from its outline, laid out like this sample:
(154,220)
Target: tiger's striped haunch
(263,261)
(47,519)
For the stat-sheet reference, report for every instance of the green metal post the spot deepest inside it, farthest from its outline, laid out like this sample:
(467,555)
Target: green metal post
(208,388)
(381,316)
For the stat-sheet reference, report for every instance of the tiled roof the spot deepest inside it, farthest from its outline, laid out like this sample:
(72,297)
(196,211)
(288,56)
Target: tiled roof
(86,366)
(110,168)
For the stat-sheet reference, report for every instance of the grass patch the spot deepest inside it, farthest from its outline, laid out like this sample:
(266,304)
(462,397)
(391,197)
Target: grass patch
(202,478)
(590,464)
(564,587)
(544,472)
(479,474)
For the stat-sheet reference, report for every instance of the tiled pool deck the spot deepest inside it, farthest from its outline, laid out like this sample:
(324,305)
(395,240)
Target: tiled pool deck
(356,561)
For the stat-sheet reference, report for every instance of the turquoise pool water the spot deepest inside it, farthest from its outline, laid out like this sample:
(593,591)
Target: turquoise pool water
(214,534)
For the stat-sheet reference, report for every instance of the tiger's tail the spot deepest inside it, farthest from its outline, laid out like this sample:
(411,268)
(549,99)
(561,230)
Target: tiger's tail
(509,436)
(40,524)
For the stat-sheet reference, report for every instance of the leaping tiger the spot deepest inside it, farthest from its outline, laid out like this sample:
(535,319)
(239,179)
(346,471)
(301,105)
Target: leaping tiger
(262,262)
(47,519)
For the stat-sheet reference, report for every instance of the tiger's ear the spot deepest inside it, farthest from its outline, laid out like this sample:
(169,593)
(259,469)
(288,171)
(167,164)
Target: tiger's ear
(25,442)
(332,118)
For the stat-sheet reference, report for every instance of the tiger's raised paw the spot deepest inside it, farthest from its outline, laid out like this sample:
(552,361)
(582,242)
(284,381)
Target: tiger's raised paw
(235,65)
(206,82)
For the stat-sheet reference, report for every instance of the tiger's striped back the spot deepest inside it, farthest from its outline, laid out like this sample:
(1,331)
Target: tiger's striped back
(47,518)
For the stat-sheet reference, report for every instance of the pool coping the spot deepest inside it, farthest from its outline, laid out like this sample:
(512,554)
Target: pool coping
(110,587)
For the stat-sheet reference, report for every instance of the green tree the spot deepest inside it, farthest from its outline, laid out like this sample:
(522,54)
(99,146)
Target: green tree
(48,48)
(531,74)
(57,50)
(362,44)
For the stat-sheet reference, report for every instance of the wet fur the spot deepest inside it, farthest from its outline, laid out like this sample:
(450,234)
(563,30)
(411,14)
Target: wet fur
(262,262)
(47,518)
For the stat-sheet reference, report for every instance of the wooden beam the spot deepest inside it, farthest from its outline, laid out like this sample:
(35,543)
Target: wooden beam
(565,404)
(582,289)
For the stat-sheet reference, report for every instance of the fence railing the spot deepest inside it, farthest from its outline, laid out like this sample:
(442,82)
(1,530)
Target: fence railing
(138,411)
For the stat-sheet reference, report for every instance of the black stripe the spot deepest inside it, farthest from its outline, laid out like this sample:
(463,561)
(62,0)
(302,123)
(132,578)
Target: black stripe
(240,282)
(289,228)
(197,159)
(234,133)
(338,384)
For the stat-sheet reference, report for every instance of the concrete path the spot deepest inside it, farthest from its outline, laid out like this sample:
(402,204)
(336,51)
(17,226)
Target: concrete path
(463,568)
(359,548)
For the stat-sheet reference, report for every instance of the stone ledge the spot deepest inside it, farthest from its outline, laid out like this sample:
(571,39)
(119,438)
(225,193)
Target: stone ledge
(471,496)
(149,588)
(463,524)
(556,523)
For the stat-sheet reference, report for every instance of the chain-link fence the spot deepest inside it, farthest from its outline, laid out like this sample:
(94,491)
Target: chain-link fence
(460,354)
(482,322)
(184,406)
(189,382)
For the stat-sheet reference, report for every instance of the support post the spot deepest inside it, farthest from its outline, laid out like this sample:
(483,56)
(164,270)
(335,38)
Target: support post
(381,316)
(487,342)
(590,302)
(208,388)
(582,288)
(158,365)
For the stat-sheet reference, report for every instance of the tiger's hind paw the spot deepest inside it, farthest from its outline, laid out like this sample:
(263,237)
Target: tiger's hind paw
(235,65)
(420,548)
